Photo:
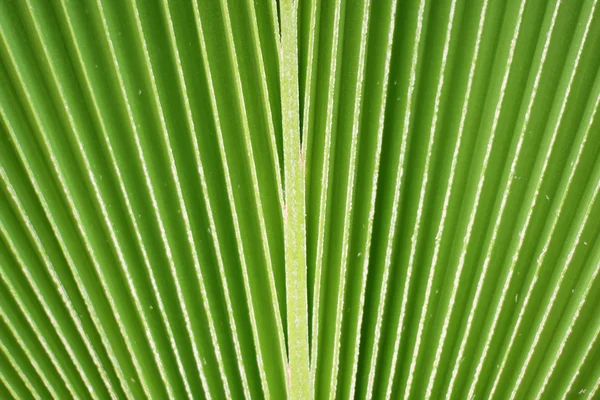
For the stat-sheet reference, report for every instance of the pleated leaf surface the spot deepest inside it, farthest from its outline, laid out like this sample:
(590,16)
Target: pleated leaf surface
(304,199)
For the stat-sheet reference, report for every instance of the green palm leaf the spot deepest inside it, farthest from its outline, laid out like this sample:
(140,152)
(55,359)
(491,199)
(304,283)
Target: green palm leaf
(299,199)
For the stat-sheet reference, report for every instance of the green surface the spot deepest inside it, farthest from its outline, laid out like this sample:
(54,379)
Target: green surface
(325,199)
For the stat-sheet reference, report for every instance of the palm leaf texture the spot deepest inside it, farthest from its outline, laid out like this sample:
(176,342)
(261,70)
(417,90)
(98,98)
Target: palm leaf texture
(299,199)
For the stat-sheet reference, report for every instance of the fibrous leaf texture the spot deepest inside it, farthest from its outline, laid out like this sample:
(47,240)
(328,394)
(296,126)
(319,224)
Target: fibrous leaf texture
(303,199)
